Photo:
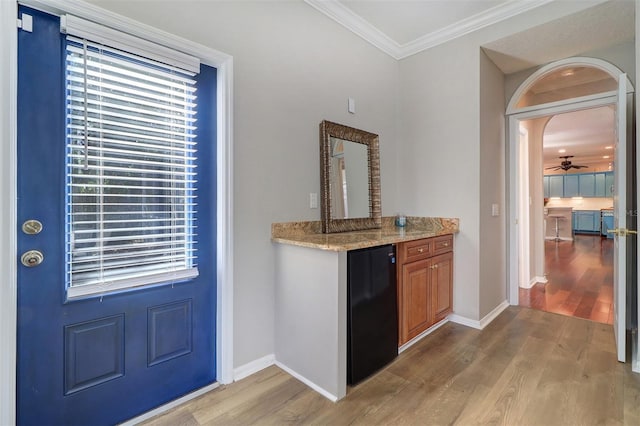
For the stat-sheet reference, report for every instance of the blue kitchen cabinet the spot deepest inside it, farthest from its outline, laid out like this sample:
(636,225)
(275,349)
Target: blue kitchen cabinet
(556,186)
(586,221)
(587,184)
(608,184)
(600,184)
(607,223)
(571,186)
(597,184)
(545,185)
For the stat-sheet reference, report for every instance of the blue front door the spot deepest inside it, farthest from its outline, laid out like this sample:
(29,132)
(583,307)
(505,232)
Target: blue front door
(107,357)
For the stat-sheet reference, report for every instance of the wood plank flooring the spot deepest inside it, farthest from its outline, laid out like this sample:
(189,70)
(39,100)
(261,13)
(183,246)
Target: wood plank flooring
(527,367)
(580,279)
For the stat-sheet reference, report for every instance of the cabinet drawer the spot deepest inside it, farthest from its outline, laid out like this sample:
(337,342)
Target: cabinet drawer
(442,244)
(418,249)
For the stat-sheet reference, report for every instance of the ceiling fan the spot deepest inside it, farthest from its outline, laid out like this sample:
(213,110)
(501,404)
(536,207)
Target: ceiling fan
(566,164)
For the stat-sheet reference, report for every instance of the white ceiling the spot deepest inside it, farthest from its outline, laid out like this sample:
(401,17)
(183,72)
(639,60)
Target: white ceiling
(584,134)
(402,28)
(405,21)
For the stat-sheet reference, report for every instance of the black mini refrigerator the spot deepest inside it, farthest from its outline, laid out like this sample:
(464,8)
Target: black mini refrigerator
(372,318)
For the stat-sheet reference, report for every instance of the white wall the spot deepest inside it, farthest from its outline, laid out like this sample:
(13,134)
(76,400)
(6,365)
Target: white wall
(439,126)
(621,55)
(536,191)
(293,67)
(493,284)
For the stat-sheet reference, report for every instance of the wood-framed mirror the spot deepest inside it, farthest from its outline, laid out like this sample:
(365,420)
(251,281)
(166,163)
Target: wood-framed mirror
(350,178)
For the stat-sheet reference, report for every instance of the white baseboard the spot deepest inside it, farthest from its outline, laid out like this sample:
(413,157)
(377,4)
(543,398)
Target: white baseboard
(169,405)
(493,314)
(459,319)
(253,367)
(308,382)
(561,238)
(534,281)
(422,335)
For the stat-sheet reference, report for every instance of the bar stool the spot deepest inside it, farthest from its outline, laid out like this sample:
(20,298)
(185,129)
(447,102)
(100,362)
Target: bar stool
(557,217)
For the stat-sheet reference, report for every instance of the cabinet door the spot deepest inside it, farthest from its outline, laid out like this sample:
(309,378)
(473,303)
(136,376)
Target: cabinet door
(441,269)
(556,186)
(607,224)
(595,221)
(587,221)
(600,184)
(571,186)
(416,310)
(545,184)
(587,185)
(608,184)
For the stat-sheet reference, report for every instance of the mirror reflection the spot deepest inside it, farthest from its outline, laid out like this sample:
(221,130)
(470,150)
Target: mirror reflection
(349,179)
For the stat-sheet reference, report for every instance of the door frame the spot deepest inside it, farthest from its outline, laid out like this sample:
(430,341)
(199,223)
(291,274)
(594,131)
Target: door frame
(515,115)
(608,98)
(8,179)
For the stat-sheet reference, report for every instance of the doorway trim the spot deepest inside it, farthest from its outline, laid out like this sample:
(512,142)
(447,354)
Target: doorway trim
(514,116)
(577,61)
(8,178)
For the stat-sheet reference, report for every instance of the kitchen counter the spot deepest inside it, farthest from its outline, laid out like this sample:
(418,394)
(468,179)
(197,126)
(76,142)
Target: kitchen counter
(565,223)
(309,234)
(311,294)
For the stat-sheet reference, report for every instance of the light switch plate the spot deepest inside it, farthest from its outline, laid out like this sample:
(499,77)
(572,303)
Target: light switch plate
(351,105)
(495,210)
(313,200)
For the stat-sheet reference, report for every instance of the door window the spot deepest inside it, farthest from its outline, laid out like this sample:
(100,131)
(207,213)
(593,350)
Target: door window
(130,172)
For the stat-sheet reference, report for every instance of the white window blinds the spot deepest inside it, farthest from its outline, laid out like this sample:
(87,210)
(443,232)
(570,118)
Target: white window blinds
(130,170)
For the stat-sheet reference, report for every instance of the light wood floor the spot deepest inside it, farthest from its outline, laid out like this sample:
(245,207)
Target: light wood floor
(580,279)
(527,367)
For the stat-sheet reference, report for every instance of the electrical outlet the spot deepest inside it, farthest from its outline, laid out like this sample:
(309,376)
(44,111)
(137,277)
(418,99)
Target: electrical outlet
(313,200)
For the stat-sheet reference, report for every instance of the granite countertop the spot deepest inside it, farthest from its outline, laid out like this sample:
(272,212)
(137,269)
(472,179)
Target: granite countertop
(309,234)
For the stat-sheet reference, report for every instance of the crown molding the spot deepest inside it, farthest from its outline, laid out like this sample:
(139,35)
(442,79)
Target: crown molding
(355,23)
(335,10)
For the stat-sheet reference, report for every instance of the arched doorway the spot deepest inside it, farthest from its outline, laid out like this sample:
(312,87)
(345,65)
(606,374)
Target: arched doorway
(565,86)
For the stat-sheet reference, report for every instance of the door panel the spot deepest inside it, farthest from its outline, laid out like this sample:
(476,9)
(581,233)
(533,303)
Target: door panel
(415,292)
(442,285)
(104,359)
(620,220)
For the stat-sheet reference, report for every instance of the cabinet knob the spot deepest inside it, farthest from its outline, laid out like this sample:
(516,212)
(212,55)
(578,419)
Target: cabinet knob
(420,250)
(446,244)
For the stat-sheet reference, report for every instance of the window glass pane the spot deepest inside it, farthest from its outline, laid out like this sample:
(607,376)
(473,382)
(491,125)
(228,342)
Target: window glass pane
(130,170)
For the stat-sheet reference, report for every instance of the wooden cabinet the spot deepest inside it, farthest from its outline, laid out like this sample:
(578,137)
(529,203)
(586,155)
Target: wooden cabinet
(425,284)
